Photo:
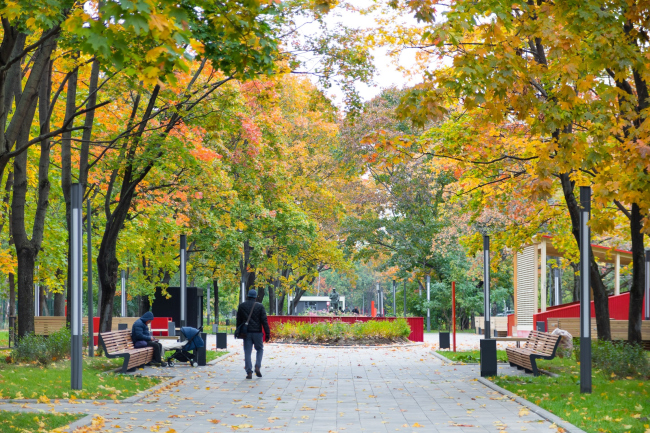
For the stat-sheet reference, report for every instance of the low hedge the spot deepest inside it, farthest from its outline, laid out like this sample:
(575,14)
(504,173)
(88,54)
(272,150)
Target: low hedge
(340,332)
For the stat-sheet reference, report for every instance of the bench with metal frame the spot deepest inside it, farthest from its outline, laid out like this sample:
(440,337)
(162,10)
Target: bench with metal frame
(118,344)
(538,345)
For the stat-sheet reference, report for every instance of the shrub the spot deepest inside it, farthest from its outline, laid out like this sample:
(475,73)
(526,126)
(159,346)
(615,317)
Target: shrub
(620,359)
(41,348)
(336,330)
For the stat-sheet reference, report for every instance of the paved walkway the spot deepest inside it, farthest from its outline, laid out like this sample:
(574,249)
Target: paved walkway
(319,390)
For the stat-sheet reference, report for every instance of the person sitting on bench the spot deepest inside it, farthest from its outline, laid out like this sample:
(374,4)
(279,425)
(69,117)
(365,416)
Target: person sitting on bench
(142,338)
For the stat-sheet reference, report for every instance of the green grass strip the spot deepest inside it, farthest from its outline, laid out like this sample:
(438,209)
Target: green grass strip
(32,422)
(53,381)
(616,406)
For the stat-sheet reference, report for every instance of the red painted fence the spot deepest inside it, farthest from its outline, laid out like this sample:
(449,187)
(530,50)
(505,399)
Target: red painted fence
(416,323)
(619,309)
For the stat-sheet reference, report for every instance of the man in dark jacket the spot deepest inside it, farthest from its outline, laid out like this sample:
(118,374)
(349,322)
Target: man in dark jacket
(254,335)
(140,332)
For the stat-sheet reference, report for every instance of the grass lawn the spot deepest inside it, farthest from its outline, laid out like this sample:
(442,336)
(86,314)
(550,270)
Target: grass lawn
(211,355)
(4,338)
(33,422)
(614,406)
(470,356)
(53,381)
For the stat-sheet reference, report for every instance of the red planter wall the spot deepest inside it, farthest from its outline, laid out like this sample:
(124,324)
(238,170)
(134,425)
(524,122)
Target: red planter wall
(416,323)
(619,309)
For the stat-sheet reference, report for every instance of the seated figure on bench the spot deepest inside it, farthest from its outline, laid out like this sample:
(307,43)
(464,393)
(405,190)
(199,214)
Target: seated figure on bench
(142,338)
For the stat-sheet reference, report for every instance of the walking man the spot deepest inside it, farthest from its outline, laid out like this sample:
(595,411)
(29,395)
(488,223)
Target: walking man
(256,320)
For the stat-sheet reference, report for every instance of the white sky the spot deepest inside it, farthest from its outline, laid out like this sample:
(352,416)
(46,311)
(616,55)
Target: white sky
(387,74)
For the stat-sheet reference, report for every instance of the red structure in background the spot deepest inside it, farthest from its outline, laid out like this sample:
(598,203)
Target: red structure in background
(619,309)
(159,327)
(511,323)
(416,323)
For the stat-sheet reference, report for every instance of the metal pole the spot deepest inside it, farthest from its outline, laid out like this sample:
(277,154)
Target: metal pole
(76,272)
(394,304)
(208,293)
(585,284)
(123,311)
(647,284)
(37,298)
(486,283)
(453,309)
(404,298)
(243,291)
(89,299)
(556,284)
(183,279)
(378,303)
(428,300)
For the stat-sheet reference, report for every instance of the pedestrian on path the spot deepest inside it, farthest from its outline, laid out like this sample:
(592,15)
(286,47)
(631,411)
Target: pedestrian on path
(257,320)
(142,338)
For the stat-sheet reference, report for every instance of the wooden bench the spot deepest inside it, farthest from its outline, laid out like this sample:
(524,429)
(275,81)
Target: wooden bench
(118,344)
(538,345)
(45,325)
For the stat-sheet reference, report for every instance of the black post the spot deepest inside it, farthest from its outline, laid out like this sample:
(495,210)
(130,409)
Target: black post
(486,283)
(585,284)
(76,272)
(89,248)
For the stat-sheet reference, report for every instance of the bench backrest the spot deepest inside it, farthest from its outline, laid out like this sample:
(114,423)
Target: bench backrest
(45,325)
(117,341)
(542,342)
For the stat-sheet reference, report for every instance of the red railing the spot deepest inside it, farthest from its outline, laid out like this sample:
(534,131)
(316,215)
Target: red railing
(619,309)
(416,323)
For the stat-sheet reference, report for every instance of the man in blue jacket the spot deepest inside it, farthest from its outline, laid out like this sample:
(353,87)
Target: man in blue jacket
(142,337)
(258,322)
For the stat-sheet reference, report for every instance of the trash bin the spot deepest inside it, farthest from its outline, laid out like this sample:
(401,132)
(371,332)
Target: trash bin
(171,329)
(222,340)
(444,340)
(488,358)
(202,350)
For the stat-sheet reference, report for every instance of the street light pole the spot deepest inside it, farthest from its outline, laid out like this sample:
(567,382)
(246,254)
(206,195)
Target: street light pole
(428,300)
(123,306)
(183,281)
(486,283)
(89,299)
(404,298)
(76,239)
(585,284)
(394,305)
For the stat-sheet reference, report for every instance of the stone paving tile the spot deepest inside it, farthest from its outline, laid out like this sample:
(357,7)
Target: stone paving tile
(318,390)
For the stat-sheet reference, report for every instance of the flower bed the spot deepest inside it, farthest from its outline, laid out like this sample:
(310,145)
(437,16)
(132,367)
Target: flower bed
(338,333)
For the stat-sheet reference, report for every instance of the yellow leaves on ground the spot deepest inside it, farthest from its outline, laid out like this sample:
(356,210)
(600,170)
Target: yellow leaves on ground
(523,411)
(43,399)
(97,424)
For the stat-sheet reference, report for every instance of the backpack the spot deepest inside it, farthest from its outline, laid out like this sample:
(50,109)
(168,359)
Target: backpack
(242,330)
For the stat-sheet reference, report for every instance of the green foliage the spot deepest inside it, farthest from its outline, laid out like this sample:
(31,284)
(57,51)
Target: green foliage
(621,360)
(43,349)
(335,330)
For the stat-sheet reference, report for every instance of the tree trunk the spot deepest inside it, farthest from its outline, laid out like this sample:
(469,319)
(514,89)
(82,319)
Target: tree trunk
(12,294)
(43,300)
(261,292)
(638,276)
(601,302)
(272,298)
